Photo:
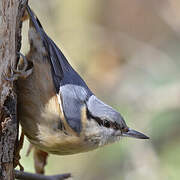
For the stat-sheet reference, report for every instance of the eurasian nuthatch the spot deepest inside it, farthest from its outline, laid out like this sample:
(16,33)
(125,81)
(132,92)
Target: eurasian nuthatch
(58,112)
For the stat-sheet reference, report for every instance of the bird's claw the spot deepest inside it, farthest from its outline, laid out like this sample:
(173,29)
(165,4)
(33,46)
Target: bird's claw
(21,71)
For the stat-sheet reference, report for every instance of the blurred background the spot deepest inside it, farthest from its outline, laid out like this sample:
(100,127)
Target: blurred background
(128,52)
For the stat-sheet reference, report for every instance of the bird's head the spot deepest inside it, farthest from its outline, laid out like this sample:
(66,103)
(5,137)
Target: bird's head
(107,123)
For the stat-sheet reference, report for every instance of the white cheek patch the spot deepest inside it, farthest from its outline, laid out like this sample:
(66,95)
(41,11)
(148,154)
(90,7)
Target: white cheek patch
(100,135)
(107,136)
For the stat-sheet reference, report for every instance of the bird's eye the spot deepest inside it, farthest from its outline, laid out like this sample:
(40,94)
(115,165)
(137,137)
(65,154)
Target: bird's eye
(107,124)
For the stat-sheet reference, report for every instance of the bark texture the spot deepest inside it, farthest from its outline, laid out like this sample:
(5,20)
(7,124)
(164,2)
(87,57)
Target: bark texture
(10,37)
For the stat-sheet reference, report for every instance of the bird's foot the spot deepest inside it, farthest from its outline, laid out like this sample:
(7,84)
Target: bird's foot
(22,70)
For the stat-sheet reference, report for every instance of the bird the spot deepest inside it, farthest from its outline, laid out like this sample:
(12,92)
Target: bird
(58,112)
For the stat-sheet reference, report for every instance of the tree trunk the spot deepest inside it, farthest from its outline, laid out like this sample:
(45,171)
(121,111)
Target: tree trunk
(10,42)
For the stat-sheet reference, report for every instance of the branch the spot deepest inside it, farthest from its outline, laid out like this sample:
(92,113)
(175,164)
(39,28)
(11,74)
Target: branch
(30,176)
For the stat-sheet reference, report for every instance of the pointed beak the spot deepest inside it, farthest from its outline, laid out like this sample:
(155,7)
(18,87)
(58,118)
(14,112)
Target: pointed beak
(134,134)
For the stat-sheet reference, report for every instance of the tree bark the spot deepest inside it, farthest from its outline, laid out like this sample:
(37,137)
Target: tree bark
(10,42)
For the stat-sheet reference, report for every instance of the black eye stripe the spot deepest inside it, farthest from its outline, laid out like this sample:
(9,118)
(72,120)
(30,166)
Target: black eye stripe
(109,124)
(105,123)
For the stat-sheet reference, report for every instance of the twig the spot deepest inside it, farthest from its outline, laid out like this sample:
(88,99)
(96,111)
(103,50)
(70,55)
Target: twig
(30,176)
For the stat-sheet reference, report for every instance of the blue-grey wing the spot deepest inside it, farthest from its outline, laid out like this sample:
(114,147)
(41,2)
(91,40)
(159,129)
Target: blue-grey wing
(73,99)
